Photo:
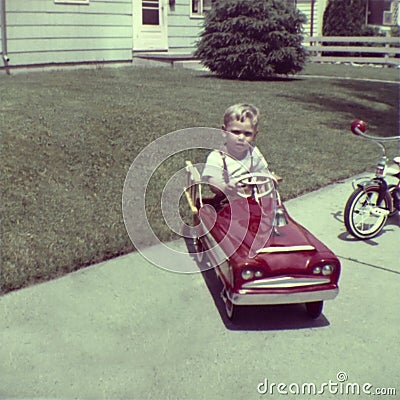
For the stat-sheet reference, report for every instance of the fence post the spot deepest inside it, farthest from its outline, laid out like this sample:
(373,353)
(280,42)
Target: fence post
(319,53)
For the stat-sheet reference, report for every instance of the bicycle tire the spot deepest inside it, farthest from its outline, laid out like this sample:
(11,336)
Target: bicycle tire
(359,219)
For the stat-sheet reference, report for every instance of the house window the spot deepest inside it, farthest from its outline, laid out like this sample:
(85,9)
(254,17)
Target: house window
(150,12)
(376,10)
(198,8)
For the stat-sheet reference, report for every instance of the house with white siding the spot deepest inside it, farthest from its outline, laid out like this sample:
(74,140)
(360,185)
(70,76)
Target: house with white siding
(43,32)
(39,32)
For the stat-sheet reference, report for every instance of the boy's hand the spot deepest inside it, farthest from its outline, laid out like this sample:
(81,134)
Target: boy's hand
(222,188)
(277,179)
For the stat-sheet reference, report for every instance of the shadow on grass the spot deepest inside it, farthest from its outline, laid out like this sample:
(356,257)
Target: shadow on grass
(256,318)
(210,75)
(364,102)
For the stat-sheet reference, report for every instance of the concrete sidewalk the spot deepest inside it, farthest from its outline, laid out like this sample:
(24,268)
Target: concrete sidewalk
(125,329)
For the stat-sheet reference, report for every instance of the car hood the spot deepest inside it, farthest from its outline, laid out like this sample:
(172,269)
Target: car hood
(246,231)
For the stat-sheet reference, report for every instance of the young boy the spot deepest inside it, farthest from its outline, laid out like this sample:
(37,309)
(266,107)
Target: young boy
(238,156)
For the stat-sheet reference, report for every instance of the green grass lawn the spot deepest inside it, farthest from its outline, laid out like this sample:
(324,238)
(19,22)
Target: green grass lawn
(378,72)
(68,139)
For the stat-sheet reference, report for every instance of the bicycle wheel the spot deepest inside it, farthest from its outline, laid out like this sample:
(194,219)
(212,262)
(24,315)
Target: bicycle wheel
(363,217)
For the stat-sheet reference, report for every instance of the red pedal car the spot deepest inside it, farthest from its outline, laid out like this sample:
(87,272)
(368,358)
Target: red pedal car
(260,254)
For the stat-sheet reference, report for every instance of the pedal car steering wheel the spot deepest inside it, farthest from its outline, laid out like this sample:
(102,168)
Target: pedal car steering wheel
(262,181)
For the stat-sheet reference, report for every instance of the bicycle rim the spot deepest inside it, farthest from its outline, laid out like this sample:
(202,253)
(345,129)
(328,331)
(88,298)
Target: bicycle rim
(363,219)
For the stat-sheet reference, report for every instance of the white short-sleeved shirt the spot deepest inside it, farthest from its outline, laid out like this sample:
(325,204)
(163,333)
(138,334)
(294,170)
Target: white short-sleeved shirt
(254,161)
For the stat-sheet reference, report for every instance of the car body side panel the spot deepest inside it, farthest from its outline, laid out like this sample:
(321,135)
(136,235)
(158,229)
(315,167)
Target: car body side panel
(234,238)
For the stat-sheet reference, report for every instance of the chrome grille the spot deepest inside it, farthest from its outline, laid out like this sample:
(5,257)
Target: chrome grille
(285,282)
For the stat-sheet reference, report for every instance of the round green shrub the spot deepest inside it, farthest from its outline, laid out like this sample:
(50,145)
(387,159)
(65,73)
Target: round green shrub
(252,40)
(347,18)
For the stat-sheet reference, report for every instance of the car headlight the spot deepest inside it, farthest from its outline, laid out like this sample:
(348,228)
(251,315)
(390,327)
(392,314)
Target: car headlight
(316,270)
(327,269)
(258,274)
(247,274)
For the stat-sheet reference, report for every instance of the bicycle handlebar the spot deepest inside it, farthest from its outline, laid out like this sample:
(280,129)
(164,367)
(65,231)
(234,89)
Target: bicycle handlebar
(359,127)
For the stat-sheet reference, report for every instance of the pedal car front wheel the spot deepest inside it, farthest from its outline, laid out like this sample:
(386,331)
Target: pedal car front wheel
(314,309)
(229,306)
(230,309)
(199,250)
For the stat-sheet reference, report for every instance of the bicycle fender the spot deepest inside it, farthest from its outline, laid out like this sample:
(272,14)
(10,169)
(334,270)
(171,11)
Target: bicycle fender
(382,187)
(377,183)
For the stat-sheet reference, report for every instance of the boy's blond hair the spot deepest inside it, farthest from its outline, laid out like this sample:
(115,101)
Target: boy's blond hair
(240,112)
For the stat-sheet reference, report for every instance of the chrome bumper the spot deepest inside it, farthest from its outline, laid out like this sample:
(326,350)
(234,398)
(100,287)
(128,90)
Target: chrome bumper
(247,297)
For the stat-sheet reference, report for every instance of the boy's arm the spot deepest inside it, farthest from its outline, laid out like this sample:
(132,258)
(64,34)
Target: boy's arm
(261,161)
(264,163)
(213,174)
(219,187)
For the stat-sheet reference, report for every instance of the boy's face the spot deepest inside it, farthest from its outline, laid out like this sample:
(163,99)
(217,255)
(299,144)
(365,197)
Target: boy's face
(238,136)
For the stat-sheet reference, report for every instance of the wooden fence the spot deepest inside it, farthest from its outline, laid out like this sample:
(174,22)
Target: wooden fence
(363,50)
